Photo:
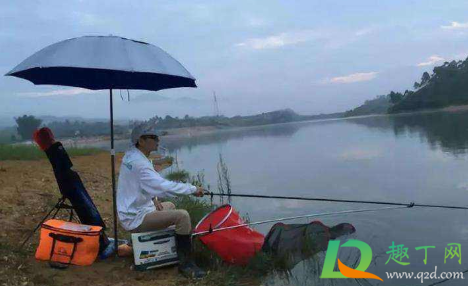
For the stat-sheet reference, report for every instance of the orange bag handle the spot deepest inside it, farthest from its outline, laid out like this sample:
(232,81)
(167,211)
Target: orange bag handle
(65,239)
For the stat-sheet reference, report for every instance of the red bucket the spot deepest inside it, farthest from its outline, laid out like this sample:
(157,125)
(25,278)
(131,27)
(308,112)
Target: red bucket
(235,246)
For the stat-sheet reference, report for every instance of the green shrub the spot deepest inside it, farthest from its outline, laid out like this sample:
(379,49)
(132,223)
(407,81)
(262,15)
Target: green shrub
(178,176)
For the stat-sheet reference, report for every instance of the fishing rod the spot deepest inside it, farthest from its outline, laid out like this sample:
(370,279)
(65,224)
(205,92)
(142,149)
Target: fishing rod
(411,204)
(295,217)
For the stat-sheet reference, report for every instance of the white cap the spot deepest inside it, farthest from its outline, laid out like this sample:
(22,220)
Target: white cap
(140,130)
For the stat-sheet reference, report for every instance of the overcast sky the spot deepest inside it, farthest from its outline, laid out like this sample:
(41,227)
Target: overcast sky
(313,56)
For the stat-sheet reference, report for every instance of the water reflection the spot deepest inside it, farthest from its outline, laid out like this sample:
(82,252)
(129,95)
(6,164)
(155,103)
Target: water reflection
(175,143)
(447,131)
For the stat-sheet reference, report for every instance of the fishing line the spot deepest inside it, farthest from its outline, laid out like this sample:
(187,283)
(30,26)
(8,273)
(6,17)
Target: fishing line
(296,217)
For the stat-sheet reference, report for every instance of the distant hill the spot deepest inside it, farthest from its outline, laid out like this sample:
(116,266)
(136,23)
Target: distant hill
(273,117)
(148,97)
(187,100)
(378,105)
(446,86)
(278,116)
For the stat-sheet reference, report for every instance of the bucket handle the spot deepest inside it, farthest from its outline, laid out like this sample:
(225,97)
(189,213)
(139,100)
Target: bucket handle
(222,221)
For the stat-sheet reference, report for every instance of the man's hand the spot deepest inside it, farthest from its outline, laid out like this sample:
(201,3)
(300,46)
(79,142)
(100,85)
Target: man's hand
(199,193)
(159,168)
(158,205)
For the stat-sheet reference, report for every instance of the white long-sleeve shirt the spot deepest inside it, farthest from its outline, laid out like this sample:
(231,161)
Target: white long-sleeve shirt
(138,184)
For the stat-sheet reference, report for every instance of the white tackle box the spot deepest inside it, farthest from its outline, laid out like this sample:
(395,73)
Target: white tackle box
(154,249)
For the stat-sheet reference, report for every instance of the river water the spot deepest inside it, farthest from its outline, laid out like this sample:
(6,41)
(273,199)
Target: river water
(418,158)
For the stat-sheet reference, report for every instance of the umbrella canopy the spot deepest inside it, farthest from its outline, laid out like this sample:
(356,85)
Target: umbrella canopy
(105,62)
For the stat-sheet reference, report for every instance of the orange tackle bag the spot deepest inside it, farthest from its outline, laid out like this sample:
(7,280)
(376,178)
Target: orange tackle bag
(64,243)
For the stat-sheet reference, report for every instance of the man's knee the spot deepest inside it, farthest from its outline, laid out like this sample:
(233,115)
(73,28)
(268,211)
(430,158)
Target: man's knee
(183,215)
(183,224)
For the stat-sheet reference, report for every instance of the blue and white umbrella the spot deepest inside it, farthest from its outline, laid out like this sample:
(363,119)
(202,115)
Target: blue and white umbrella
(105,62)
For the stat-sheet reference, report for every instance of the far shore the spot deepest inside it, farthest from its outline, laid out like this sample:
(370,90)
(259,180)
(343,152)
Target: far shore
(199,130)
(455,108)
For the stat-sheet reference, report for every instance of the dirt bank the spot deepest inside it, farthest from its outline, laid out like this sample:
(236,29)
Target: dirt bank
(27,191)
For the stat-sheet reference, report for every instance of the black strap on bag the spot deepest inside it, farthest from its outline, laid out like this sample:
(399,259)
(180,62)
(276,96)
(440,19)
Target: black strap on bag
(65,239)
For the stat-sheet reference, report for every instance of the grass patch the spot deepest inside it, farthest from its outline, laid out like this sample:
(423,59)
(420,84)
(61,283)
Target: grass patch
(7,135)
(195,207)
(20,152)
(32,152)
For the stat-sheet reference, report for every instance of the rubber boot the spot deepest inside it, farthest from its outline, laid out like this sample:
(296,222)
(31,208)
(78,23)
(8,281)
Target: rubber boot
(187,266)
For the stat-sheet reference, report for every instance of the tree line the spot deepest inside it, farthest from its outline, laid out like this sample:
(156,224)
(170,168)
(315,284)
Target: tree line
(27,124)
(447,85)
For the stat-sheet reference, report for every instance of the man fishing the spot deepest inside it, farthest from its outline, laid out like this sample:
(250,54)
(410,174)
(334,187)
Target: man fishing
(139,183)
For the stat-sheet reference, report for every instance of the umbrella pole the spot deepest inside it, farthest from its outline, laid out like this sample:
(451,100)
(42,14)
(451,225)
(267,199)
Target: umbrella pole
(114,197)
